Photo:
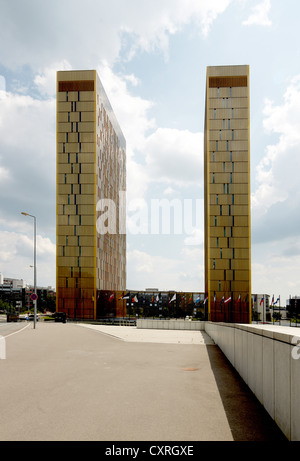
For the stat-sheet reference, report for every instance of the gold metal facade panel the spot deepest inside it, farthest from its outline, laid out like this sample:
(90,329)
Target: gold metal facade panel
(75,86)
(227,194)
(230,81)
(81,100)
(111,268)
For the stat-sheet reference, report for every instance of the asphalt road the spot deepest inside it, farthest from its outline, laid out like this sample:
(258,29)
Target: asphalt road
(8,328)
(63,382)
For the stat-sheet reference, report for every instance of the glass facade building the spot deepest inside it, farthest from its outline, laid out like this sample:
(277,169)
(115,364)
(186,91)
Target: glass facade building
(131,305)
(91,183)
(227,194)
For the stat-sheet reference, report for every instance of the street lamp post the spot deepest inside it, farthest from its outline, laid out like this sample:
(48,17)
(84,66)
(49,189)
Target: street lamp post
(34,264)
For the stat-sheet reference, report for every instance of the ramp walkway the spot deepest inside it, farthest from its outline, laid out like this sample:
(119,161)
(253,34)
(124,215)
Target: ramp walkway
(73,382)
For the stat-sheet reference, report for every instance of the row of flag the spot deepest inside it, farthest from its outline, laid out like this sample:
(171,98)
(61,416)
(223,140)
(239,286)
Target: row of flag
(134,298)
(273,302)
(227,300)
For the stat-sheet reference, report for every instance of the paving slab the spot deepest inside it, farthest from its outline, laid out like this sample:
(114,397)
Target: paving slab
(133,334)
(65,382)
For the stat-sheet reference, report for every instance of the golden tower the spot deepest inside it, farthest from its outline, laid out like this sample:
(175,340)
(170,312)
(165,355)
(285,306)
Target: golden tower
(227,194)
(91,169)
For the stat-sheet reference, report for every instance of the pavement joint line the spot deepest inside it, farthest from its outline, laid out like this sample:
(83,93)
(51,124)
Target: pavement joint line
(160,336)
(103,332)
(18,331)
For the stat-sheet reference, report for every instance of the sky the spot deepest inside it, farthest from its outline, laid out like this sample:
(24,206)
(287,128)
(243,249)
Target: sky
(151,57)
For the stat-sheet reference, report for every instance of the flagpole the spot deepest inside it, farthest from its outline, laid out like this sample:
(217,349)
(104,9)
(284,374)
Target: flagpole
(215,306)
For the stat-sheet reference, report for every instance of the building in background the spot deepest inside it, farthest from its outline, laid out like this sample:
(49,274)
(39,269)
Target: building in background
(227,194)
(261,308)
(16,293)
(151,303)
(293,308)
(91,205)
(13,283)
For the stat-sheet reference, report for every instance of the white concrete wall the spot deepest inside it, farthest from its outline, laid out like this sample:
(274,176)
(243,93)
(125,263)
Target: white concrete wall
(267,357)
(172,324)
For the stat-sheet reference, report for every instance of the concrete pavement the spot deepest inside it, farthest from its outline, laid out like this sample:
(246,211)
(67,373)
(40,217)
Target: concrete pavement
(133,334)
(69,382)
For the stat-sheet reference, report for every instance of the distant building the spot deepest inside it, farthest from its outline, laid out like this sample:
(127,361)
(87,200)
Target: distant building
(261,308)
(18,294)
(91,184)
(152,303)
(227,194)
(14,283)
(293,307)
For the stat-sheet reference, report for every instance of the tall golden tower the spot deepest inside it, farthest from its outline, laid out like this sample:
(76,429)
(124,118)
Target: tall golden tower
(227,194)
(91,170)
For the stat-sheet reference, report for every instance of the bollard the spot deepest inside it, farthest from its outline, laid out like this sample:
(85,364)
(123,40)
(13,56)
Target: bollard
(2,348)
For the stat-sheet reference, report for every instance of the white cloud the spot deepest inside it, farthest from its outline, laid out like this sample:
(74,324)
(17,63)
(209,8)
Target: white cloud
(36,32)
(196,237)
(277,174)
(2,87)
(131,111)
(184,272)
(27,161)
(260,15)
(276,202)
(4,174)
(45,80)
(275,269)
(169,191)
(152,23)
(175,156)
(153,155)
(16,257)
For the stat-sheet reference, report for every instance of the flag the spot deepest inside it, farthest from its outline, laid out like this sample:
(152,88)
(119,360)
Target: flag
(261,301)
(173,299)
(127,296)
(197,300)
(157,298)
(276,301)
(227,300)
(272,302)
(134,299)
(205,300)
(111,298)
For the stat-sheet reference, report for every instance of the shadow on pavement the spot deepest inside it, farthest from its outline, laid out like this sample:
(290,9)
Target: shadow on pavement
(247,418)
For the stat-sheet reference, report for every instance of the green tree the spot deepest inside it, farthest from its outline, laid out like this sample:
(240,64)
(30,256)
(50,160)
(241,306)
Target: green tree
(5,306)
(277,316)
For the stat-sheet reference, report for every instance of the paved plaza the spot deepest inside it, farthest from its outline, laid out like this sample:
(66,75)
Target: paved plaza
(78,382)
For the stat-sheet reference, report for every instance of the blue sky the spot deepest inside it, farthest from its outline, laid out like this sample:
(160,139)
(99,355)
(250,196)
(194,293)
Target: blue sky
(151,57)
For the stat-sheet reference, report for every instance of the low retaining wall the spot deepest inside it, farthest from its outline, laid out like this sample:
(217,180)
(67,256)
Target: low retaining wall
(172,324)
(268,359)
